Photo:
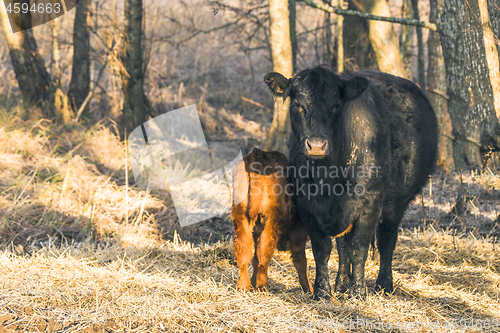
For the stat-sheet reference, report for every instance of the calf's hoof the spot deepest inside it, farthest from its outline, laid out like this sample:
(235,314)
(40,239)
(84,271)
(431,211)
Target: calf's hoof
(261,288)
(243,285)
(308,289)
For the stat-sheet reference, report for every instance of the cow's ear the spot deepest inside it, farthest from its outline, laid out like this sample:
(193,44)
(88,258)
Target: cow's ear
(279,85)
(353,87)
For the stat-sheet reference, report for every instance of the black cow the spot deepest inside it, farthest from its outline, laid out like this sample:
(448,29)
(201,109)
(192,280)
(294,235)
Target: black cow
(368,141)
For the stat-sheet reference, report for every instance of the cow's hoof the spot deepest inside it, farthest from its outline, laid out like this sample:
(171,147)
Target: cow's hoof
(384,285)
(341,287)
(342,283)
(357,292)
(320,294)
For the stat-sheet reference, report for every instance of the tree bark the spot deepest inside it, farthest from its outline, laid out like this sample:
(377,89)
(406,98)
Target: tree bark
(32,77)
(436,81)
(292,7)
(406,38)
(281,50)
(383,39)
(328,40)
(471,103)
(79,86)
(135,105)
(61,107)
(420,44)
(340,40)
(491,53)
(494,11)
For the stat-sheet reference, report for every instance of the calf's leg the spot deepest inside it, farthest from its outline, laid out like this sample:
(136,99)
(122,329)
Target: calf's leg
(265,250)
(255,264)
(243,249)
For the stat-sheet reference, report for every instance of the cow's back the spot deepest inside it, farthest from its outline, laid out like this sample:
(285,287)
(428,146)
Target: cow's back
(413,133)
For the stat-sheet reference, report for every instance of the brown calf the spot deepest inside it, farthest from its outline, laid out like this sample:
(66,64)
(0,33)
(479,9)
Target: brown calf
(266,218)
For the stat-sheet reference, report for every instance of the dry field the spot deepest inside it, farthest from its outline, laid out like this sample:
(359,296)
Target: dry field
(84,250)
(443,284)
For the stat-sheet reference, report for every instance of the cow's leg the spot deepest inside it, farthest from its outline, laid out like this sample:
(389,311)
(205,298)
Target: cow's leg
(358,243)
(358,253)
(298,240)
(243,249)
(322,247)
(387,236)
(265,250)
(344,274)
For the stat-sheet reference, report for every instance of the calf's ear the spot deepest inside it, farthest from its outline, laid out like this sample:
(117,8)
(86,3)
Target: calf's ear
(279,85)
(353,87)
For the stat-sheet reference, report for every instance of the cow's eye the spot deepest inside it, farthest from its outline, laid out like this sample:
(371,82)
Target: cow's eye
(296,104)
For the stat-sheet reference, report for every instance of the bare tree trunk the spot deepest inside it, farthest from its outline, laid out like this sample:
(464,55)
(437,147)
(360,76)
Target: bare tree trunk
(328,39)
(420,43)
(135,105)
(383,39)
(79,86)
(281,50)
(491,53)
(436,81)
(60,99)
(406,38)
(340,40)
(471,103)
(292,6)
(32,77)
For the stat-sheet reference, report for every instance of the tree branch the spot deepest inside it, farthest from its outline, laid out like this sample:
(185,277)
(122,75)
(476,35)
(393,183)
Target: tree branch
(349,12)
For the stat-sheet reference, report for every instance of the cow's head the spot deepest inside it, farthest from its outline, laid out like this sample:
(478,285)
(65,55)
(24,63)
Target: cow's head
(317,97)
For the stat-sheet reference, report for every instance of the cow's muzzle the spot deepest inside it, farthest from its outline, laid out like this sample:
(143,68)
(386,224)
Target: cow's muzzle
(316,147)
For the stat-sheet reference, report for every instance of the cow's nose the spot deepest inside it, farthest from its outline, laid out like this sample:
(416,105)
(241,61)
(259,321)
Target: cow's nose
(316,146)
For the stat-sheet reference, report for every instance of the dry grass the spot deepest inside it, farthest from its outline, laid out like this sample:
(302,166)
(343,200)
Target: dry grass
(68,182)
(175,287)
(73,261)
(84,251)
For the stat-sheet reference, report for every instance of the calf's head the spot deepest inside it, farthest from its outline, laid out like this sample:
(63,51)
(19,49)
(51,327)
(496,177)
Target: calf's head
(317,97)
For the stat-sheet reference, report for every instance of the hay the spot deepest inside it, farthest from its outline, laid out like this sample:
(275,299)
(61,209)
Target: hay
(72,261)
(175,287)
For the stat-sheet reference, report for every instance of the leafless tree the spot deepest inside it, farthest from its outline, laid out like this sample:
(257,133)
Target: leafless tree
(79,86)
(383,39)
(471,103)
(436,85)
(135,105)
(281,49)
(32,77)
